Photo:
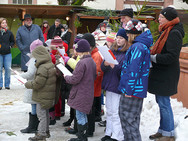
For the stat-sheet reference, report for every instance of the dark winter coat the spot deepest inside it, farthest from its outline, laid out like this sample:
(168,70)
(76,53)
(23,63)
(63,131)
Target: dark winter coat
(6,42)
(54,31)
(24,38)
(82,92)
(67,37)
(44,83)
(164,75)
(135,69)
(111,76)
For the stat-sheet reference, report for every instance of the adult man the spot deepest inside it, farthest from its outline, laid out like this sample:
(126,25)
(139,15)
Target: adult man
(126,15)
(55,29)
(25,35)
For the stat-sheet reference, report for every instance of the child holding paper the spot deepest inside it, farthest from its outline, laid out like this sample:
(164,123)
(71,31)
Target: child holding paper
(134,79)
(29,75)
(110,83)
(44,88)
(82,92)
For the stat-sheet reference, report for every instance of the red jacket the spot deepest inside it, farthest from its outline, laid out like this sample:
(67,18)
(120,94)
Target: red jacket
(98,81)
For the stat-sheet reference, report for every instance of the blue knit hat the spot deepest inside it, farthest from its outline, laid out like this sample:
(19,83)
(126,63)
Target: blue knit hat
(122,33)
(82,46)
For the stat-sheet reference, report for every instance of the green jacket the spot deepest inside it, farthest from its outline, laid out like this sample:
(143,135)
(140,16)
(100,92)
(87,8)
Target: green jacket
(44,83)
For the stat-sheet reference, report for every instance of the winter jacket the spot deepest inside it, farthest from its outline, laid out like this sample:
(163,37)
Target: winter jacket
(54,31)
(29,75)
(6,42)
(98,81)
(44,83)
(164,75)
(135,69)
(24,38)
(82,92)
(66,37)
(111,76)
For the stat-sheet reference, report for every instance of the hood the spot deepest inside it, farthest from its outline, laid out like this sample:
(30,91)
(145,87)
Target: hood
(179,27)
(146,38)
(42,55)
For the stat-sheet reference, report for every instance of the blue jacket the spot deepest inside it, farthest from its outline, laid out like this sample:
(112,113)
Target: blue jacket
(111,76)
(135,69)
(24,38)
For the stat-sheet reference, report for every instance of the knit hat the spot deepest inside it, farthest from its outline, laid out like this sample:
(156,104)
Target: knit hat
(169,13)
(35,44)
(134,27)
(77,38)
(127,12)
(111,37)
(103,24)
(82,46)
(90,38)
(57,42)
(122,33)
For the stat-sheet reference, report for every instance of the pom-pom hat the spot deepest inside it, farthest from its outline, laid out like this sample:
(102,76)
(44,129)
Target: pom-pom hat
(82,46)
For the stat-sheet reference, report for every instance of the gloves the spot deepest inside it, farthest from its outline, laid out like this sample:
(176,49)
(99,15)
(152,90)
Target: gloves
(153,58)
(66,58)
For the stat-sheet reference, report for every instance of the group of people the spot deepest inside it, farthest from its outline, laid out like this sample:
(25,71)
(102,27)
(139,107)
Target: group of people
(142,66)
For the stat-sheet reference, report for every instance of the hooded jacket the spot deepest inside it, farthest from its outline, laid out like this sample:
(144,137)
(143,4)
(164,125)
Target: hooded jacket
(44,83)
(135,69)
(164,75)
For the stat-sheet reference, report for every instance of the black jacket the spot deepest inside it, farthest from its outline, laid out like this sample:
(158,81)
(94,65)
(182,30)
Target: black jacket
(164,75)
(6,42)
(54,31)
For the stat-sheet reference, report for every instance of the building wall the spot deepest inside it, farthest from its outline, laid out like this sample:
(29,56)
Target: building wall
(101,4)
(179,4)
(47,2)
(3,1)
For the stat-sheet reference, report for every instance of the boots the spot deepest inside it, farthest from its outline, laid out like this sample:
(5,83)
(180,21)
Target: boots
(68,123)
(81,133)
(33,124)
(37,137)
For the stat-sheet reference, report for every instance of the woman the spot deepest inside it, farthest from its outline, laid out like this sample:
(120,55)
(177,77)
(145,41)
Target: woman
(164,74)
(6,43)
(110,83)
(45,27)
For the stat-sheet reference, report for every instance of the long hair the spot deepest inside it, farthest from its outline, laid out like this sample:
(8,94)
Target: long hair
(124,48)
(1,20)
(131,38)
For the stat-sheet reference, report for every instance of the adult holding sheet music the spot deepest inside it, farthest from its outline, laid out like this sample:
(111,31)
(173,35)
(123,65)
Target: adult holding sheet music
(110,83)
(6,42)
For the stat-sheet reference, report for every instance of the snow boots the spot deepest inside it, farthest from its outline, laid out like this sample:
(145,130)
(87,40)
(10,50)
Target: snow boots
(33,124)
(37,137)
(81,133)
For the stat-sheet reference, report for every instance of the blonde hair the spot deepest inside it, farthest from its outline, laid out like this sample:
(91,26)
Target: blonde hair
(131,38)
(1,20)
(124,48)
(83,53)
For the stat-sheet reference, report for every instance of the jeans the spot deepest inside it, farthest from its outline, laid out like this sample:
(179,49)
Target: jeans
(5,61)
(33,109)
(81,117)
(166,127)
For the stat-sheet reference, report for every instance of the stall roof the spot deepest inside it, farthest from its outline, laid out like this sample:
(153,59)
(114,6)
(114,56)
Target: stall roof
(38,11)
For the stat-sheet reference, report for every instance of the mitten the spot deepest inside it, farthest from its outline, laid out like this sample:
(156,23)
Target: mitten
(66,58)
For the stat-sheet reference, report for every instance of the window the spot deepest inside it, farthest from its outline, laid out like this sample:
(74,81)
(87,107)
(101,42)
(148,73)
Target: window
(22,1)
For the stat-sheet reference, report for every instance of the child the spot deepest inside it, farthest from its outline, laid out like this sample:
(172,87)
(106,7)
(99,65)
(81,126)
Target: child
(110,83)
(29,75)
(82,92)
(44,88)
(134,79)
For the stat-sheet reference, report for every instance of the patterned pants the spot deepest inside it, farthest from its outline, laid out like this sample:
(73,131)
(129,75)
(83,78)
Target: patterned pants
(129,110)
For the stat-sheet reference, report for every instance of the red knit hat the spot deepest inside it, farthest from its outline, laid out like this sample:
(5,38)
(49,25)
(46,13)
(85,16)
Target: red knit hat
(111,37)
(57,42)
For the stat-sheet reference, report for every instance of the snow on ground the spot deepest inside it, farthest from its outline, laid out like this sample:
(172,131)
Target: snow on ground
(14,117)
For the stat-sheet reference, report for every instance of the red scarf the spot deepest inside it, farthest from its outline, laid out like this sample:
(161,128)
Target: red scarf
(166,28)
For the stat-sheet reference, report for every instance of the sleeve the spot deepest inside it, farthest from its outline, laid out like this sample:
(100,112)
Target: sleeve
(19,40)
(72,63)
(105,68)
(39,81)
(77,74)
(173,47)
(12,41)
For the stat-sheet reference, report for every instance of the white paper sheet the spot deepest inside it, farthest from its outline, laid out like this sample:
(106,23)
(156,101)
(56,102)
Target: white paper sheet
(63,69)
(61,51)
(107,55)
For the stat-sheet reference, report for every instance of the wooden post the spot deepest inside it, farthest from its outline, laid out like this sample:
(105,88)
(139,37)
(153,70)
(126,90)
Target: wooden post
(23,13)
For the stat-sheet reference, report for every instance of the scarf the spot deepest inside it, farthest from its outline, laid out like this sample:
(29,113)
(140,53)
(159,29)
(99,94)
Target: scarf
(166,28)
(3,30)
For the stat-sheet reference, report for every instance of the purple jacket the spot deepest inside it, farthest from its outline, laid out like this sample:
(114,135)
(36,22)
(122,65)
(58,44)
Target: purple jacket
(82,92)
(111,76)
